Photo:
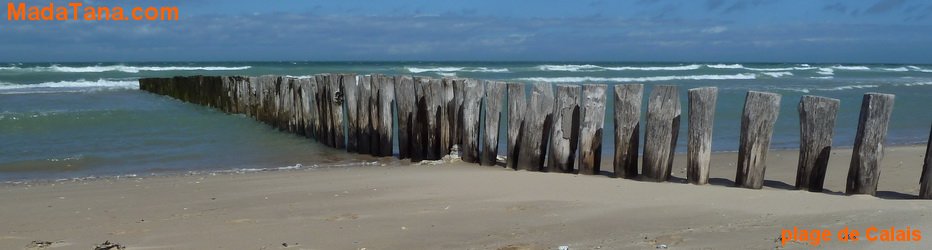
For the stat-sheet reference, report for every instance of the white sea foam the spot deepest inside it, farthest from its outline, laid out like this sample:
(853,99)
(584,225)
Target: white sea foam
(456,69)
(777,74)
(67,86)
(590,67)
(849,87)
(916,84)
(822,77)
(773,69)
(725,66)
(899,69)
(843,67)
(447,74)
(826,71)
(121,68)
(744,76)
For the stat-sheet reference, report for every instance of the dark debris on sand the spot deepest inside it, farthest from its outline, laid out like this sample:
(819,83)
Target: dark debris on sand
(107,245)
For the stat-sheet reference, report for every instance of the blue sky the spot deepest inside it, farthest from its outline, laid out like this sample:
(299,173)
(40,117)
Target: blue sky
(856,31)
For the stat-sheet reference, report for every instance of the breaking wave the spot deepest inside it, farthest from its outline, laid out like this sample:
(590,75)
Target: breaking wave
(590,67)
(456,69)
(640,79)
(120,68)
(67,86)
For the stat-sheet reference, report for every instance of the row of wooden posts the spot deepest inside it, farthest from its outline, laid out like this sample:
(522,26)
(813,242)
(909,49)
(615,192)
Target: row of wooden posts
(559,132)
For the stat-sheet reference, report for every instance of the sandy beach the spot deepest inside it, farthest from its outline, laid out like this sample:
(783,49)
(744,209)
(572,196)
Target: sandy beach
(461,206)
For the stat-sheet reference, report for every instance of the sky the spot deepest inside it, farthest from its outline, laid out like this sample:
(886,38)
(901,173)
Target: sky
(818,31)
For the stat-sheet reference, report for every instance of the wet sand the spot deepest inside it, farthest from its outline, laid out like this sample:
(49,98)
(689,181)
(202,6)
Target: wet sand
(461,206)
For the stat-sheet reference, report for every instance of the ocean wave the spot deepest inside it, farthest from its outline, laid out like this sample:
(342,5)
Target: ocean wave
(456,69)
(849,87)
(900,69)
(121,68)
(590,67)
(919,69)
(843,67)
(916,84)
(826,71)
(778,74)
(725,66)
(446,74)
(822,77)
(639,79)
(67,86)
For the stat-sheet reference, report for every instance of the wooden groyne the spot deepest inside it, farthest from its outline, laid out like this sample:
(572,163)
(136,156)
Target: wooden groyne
(556,131)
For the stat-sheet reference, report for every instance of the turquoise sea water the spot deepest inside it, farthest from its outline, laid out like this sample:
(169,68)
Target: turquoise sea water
(66,120)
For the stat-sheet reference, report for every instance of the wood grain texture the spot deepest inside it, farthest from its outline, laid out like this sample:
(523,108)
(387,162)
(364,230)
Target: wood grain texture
(517,106)
(386,99)
(459,95)
(925,179)
(404,94)
(564,139)
(760,113)
(869,142)
(699,136)
(434,102)
(593,122)
(336,111)
(365,111)
(474,90)
(663,125)
(816,127)
(536,127)
(628,98)
(448,117)
(351,100)
(494,97)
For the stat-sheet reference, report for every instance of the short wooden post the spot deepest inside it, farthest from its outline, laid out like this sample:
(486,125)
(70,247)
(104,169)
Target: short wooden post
(760,113)
(404,92)
(494,95)
(864,173)
(536,127)
(590,135)
(925,179)
(364,112)
(663,126)
(350,96)
(816,128)
(471,105)
(699,143)
(517,107)
(565,136)
(434,102)
(627,129)
(448,117)
(386,116)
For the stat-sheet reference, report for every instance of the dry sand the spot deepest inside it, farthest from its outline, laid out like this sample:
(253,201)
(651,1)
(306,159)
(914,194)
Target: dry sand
(460,206)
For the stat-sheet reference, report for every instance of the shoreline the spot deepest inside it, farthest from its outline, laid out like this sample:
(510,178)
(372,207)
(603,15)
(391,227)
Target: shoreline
(460,205)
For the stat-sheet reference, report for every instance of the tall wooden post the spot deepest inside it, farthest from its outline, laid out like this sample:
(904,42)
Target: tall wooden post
(925,179)
(760,113)
(472,103)
(365,111)
(590,135)
(494,95)
(517,107)
(699,146)
(386,87)
(434,104)
(627,129)
(565,136)
(663,126)
(448,117)
(324,98)
(351,97)
(536,127)
(404,93)
(864,173)
(816,128)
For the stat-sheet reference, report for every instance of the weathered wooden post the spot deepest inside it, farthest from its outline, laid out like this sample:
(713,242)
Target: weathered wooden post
(663,125)
(323,99)
(536,127)
(419,131)
(434,102)
(864,173)
(448,117)
(699,143)
(760,113)
(365,111)
(336,110)
(471,105)
(459,96)
(590,135)
(351,96)
(816,128)
(404,93)
(386,98)
(494,95)
(565,136)
(627,129)
(516,109)
(925,179)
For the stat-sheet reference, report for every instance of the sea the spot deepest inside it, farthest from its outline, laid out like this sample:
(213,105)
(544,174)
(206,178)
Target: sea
(66,121)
